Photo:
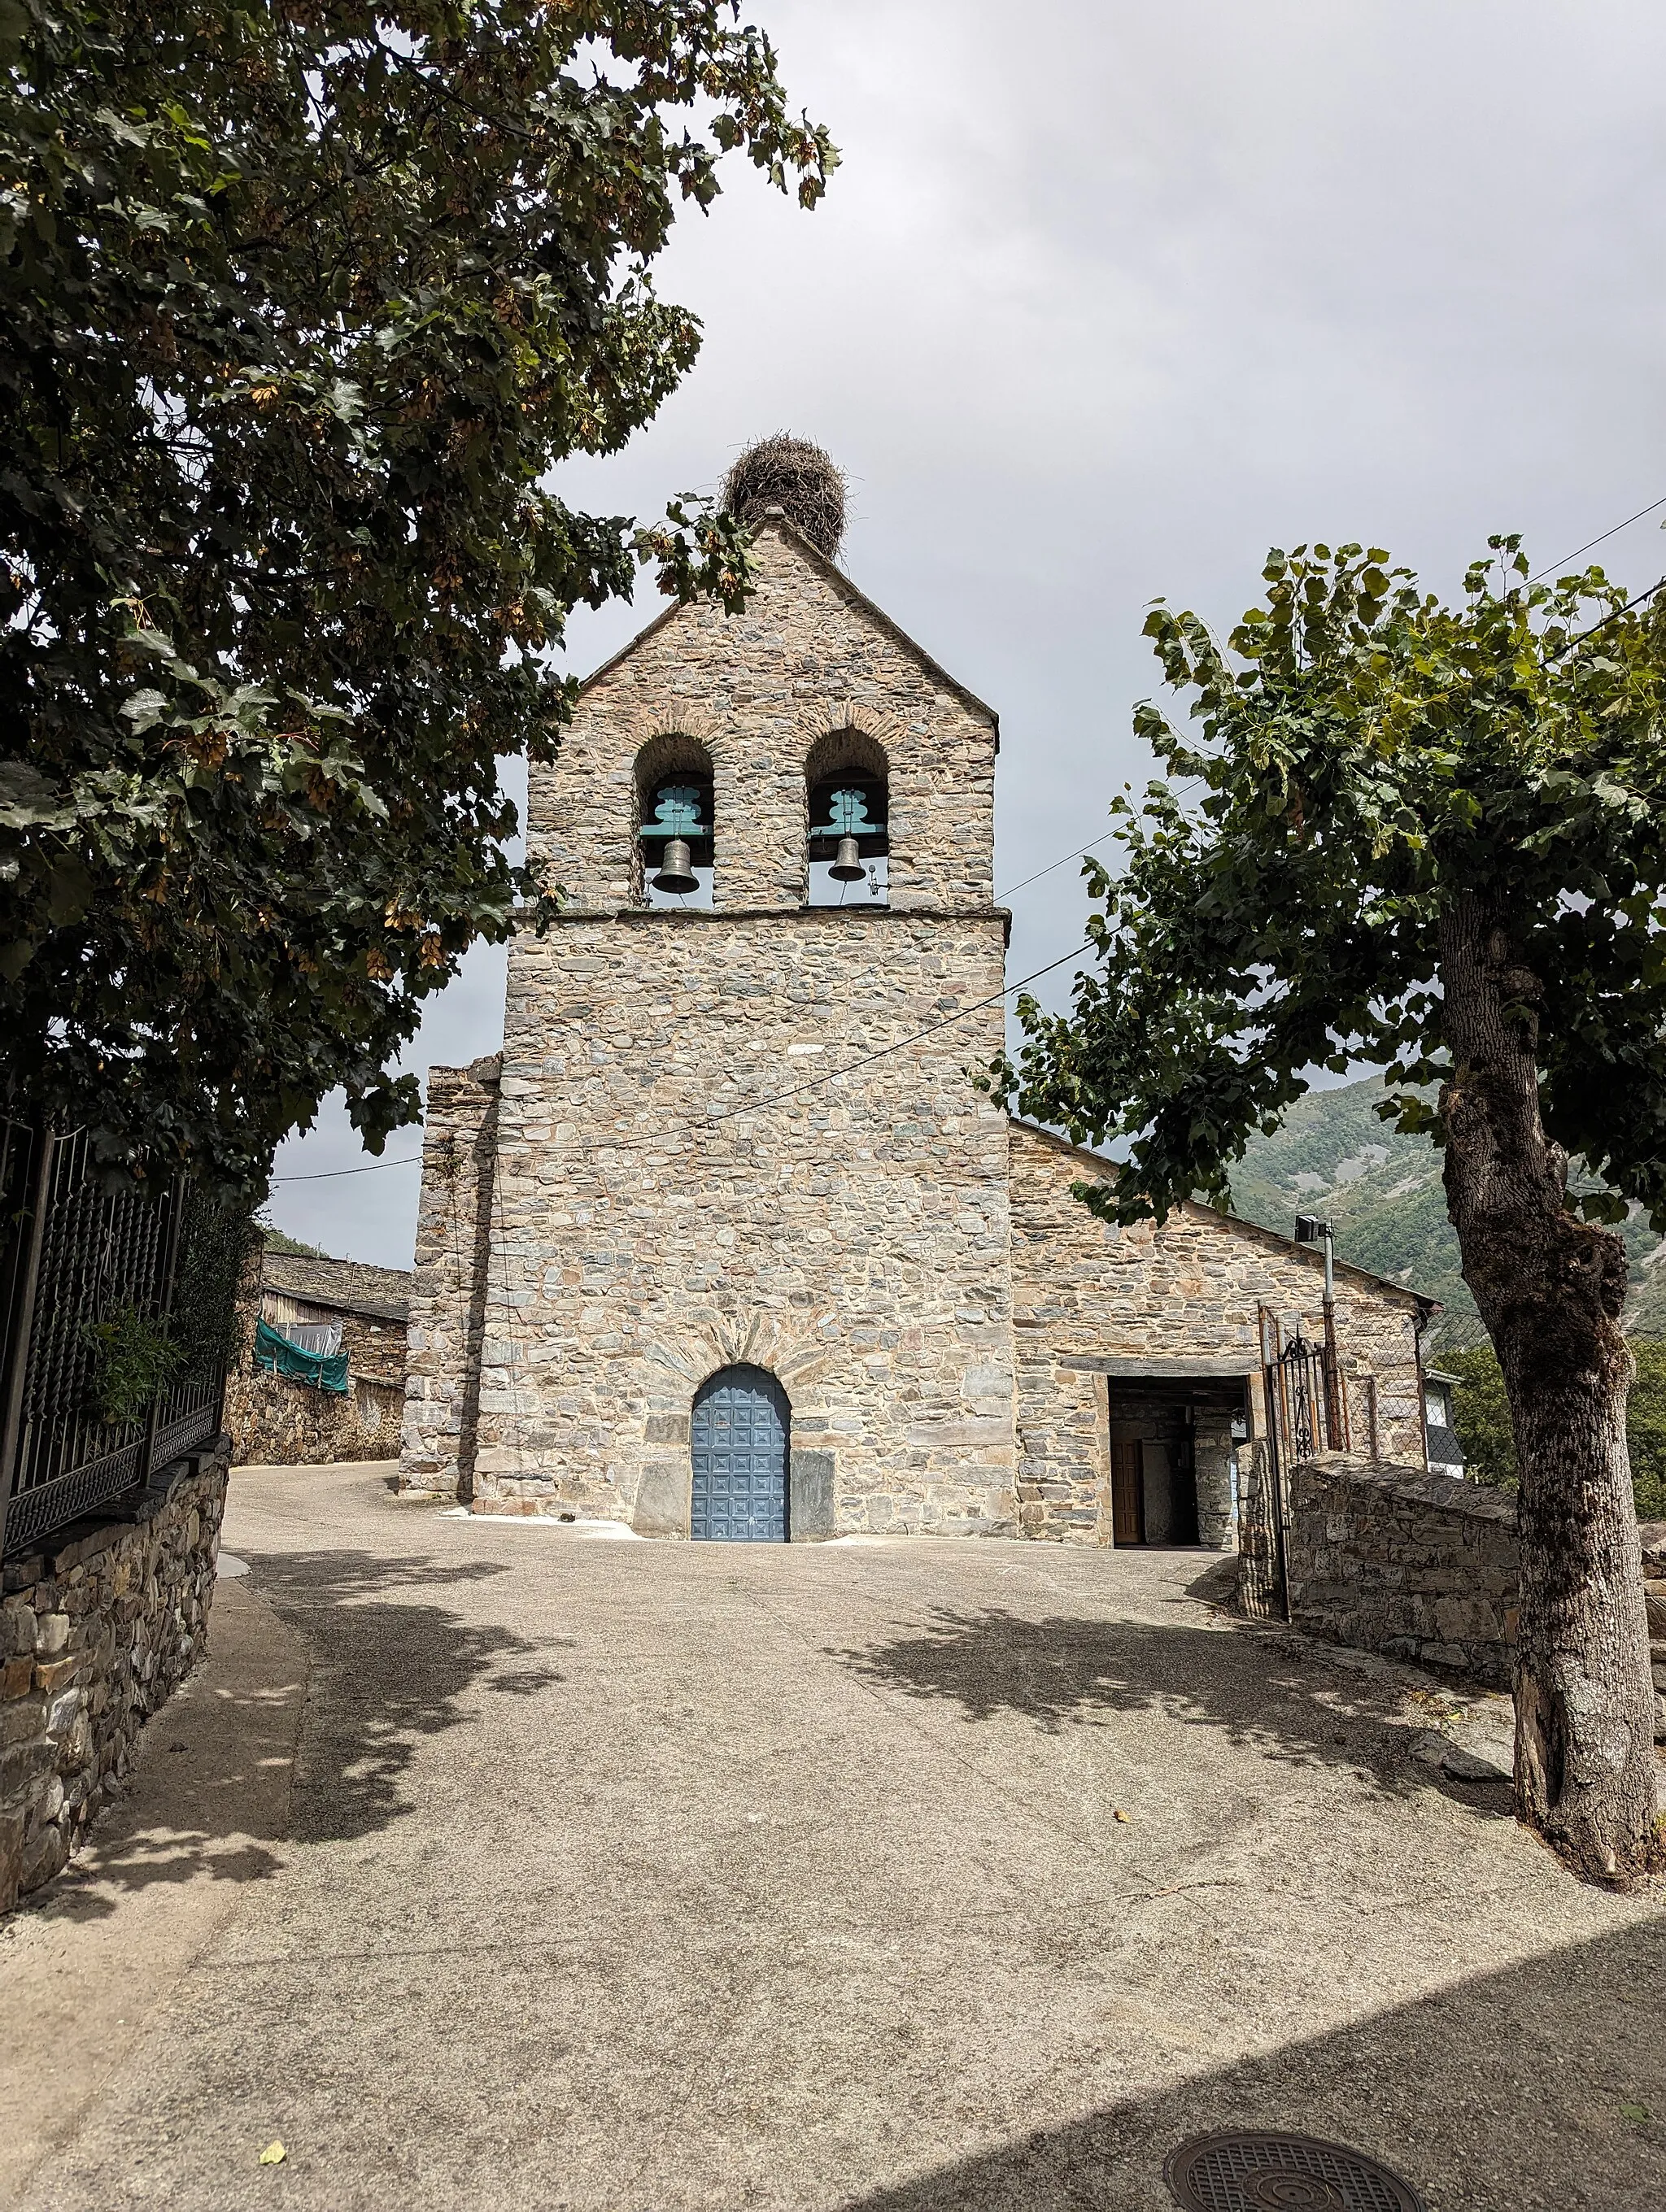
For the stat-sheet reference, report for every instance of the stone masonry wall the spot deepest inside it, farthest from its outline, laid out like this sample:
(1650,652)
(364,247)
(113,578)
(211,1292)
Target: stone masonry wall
(1083,1290)
(654,1223)
(651,1218)
(99,1624)
(1418,1566)
(276,1421)
(448,1289)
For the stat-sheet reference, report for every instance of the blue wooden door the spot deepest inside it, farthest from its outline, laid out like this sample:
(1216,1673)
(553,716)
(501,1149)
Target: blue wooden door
(739,1439)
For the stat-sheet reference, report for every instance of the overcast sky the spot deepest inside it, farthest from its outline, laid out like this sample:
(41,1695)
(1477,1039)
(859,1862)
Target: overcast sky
(1104,302)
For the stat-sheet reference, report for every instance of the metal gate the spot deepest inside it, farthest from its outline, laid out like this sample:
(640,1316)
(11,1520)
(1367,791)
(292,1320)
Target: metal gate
(1307,1397)
(740,1434)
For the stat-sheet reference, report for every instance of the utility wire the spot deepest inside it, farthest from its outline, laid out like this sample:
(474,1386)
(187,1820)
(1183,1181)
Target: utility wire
(949,1022)
(328,1174)
(1556,566)
(1607,618)
(1063,862)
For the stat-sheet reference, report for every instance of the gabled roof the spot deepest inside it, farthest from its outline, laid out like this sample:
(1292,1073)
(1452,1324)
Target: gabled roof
(342,1285)
(1288,1245)
(832,574)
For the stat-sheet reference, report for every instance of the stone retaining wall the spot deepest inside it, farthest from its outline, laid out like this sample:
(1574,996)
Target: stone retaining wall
(99,1624)
(276,1421)
(1418,1566)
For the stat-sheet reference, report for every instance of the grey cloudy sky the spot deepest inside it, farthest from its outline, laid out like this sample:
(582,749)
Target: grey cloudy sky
(1102,305)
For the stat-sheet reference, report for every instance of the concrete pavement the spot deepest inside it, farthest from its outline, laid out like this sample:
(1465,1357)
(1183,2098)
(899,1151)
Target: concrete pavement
(615,1876)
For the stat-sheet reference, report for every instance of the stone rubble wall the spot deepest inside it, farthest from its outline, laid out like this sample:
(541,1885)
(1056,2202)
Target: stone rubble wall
(99,1624)
(277,1421)
(449,1293)
(1422,1567)
(647,1230)
(375,1349)
(1191,1288)
(1416,1566)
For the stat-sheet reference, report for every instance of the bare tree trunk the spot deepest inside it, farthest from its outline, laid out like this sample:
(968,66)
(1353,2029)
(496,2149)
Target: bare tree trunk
(1550,1289)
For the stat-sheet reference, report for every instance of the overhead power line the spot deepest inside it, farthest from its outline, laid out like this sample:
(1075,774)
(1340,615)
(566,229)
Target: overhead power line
(1557,567)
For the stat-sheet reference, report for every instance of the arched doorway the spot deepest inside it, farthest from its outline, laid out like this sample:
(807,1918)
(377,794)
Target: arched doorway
(740,1437)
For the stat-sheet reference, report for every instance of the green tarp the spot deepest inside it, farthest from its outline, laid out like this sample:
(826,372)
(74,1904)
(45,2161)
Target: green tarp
(325,1370)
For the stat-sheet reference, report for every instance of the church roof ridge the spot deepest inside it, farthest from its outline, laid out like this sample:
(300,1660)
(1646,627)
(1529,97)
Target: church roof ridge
(1420,1299)
(792,535)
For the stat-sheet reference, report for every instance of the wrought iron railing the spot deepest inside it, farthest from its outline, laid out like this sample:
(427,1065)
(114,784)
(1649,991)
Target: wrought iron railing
(1307,1412)
(119,1316)
(1312,1404)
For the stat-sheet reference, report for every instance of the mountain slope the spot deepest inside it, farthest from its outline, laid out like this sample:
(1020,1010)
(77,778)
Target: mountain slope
(1332,1155)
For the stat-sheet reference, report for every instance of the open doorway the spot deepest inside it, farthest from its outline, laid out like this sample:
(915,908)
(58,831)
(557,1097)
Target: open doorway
(1173,1459)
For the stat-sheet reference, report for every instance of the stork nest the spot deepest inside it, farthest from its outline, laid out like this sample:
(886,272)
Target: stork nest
(798,477)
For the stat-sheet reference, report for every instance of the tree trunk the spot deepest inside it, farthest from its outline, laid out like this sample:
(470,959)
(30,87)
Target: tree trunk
(1550,1289)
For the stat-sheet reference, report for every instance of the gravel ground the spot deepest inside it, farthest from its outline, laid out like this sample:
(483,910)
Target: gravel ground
(621,1876)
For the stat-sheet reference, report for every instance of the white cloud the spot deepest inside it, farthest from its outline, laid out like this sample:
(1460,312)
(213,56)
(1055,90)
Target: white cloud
(1104,312)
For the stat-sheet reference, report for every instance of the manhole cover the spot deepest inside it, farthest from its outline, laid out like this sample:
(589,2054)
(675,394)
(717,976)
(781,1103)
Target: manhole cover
(1239,2173)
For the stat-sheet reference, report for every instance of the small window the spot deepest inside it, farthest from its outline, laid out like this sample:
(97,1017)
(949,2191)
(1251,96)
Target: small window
(675,841)
(850,841)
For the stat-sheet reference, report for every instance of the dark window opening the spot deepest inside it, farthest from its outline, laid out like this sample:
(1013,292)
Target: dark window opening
(675,841)
(850,841)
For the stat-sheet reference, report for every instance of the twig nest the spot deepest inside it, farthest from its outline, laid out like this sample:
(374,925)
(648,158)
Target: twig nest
(799,478)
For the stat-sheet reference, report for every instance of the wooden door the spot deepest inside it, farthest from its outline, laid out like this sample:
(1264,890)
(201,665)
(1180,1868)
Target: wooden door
(1127,1518)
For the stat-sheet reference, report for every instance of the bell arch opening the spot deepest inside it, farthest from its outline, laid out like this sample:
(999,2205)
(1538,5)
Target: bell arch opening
(847,784)
(674,824)
(740,1446)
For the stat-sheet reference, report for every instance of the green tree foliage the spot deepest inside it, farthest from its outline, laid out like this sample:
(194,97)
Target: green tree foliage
(132,1360)
(1364,755)
(279,1240)
(1429,838)
(299,307)
(1482,1415)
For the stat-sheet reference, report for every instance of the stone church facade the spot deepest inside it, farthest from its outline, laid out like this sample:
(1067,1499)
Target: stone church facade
(729,1168)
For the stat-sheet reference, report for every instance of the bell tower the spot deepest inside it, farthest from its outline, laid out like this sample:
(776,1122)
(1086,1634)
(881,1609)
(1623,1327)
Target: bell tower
(745,1250)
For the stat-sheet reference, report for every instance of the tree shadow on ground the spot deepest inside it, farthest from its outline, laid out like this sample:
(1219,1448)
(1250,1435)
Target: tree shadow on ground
(402,1671)
(1542,2085)
(1267,1689)
(341,1576)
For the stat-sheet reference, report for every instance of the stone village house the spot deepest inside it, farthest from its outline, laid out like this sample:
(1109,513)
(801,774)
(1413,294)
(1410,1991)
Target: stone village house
(322,1304)
(725,1243)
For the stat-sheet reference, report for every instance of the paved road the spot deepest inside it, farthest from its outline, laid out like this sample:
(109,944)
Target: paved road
(622,1877)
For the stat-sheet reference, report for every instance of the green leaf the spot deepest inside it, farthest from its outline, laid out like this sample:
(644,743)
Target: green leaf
(320,336)
(144,709)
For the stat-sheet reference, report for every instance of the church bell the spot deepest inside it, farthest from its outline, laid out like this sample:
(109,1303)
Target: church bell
(846,866)
(675,872)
